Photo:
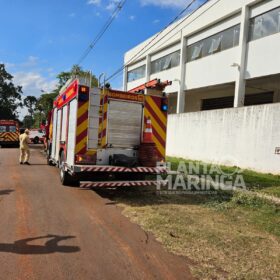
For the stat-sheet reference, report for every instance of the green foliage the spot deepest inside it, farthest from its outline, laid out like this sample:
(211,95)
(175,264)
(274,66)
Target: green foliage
(62,77)
(39,108)
(76,70)
(244,199)
(28,122)
(10,95)
(38,119)
(30,102)
(253,180)
(45,103)
(274,191)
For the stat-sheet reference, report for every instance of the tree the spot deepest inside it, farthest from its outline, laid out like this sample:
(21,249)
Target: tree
(39,108)
(76,71)
(10,95)
(30,102)
(62,77)
(38,119)
(44,106)
(28,122)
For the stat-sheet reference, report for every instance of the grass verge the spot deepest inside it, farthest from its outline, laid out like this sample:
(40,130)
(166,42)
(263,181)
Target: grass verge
(224,235)
(255,181)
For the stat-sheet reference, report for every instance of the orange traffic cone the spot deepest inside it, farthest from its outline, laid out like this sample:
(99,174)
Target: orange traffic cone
(148,133)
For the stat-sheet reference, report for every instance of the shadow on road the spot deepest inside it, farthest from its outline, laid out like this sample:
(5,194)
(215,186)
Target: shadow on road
(135,196)
(6,192)
(50,246)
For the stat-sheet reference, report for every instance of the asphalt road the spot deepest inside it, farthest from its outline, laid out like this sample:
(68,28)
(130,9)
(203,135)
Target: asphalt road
(48,231)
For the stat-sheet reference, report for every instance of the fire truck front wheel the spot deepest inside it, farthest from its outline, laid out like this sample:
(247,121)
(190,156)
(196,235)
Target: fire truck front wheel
(65,178)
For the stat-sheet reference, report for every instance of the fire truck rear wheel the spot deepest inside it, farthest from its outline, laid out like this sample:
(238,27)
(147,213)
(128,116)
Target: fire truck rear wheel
(65,178)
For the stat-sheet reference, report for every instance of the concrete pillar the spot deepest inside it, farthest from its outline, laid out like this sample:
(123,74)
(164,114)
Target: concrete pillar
(148,67)
(240,83)
(125,79)
(181,84)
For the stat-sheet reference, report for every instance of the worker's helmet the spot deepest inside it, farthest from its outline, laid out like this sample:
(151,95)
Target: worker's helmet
(26,131)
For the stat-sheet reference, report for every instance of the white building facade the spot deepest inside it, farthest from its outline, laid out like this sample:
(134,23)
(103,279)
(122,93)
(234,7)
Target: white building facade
(225,57)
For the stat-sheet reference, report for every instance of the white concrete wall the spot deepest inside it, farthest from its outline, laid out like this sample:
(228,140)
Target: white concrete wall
(245,137)
(136,83)
(136,65)
(263,6)
(169,50)
(221,26)
(214,69)
(263,57)
(169,75)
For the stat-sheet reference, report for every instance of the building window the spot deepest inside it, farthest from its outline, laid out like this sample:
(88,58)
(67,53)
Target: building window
(259,98)
(215,45)
(197,52)
(166,62)
(217,103)
(227,102)
(136,74)
(265,24)
(221,41)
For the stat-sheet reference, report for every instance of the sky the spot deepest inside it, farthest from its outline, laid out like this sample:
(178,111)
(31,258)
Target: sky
(41,38)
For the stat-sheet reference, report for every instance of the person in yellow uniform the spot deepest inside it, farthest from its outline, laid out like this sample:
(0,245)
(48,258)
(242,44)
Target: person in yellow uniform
(24,148)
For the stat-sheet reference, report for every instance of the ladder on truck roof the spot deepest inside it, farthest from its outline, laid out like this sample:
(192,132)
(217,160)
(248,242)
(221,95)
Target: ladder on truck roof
(153,84)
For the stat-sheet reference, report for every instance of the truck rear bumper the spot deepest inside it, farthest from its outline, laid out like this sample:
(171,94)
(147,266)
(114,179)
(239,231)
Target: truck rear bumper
(119,169)
(115,184)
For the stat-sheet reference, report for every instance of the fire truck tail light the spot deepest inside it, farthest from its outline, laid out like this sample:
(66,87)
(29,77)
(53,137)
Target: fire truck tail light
(83,89)
(85,158)
(83,93)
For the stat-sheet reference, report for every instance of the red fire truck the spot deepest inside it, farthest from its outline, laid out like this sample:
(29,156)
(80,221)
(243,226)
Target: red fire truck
(108,138)
(9,133)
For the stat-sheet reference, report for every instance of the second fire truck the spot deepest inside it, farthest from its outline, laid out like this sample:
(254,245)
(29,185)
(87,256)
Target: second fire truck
(9,133)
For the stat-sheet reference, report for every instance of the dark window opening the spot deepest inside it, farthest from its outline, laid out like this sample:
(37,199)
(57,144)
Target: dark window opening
(259,98)
(217,103)
(227,102)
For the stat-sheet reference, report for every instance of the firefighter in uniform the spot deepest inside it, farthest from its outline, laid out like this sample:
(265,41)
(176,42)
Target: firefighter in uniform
(24,148)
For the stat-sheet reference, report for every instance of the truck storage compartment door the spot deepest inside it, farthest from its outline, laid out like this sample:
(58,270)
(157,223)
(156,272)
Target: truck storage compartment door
(124,124)
(54,133)
(72,122)
(93,119)
(58,134)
